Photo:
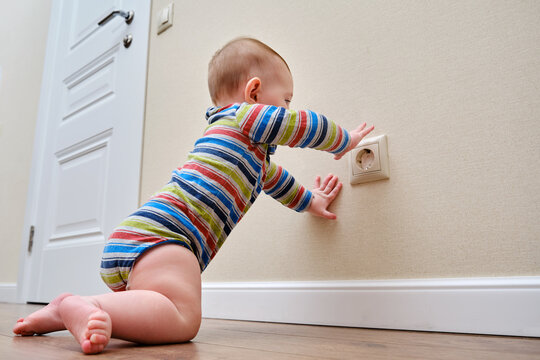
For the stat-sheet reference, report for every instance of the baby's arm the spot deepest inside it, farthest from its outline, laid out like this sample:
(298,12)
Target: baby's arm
(279,126)
(284,188)
(304,128)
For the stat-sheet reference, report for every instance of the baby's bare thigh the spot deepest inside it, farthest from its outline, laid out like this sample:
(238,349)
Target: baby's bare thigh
(171,270)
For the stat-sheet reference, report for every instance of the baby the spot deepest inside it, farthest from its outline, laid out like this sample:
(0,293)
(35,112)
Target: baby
(157,289)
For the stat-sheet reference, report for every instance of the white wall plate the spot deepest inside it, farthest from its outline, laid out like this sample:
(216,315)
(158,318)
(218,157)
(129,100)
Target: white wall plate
(165,20)
(369,160)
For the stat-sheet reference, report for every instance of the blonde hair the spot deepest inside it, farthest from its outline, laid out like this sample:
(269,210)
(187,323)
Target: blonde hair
(237,62)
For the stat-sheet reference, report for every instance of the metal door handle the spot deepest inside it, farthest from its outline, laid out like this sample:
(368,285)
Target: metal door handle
(128,15)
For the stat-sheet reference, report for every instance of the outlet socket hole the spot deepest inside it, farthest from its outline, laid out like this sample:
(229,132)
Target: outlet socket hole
(365,159)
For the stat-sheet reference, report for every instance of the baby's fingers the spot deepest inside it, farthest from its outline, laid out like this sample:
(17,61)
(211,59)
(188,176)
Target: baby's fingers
(331,184)
(364,132)
(317,182)
(360,128)
(327,214)
(363,126)
(335,191)
(325,182)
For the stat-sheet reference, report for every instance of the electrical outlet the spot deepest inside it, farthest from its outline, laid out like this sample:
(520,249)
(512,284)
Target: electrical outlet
(369,160)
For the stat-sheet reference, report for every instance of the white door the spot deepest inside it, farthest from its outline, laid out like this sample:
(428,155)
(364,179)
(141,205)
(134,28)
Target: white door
(88,143)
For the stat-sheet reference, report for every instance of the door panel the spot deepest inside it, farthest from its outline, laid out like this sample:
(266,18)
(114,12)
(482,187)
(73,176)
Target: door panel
(92,145)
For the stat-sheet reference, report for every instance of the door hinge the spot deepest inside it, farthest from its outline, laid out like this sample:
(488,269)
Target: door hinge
(31,239)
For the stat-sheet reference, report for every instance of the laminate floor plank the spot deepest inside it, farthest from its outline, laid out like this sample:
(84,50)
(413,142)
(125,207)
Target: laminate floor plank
(226,339)
(336,348)
(504,344)
(64,347)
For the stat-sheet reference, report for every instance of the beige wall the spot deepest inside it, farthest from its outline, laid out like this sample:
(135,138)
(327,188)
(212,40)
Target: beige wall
(454,85)
(23,29)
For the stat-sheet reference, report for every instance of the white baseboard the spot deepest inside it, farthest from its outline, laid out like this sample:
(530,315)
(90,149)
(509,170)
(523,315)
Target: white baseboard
(499,306)
(8,292)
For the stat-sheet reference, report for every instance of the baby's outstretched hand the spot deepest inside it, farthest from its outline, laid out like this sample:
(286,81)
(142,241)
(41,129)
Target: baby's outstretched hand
(356,136)
(323,195)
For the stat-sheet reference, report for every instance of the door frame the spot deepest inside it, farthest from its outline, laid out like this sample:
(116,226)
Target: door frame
(26,261)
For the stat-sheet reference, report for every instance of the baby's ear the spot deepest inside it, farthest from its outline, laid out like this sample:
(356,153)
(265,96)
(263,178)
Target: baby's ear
(252,89)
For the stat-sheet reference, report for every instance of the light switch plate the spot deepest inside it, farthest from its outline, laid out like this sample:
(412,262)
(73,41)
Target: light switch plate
(165,19)
(369,160)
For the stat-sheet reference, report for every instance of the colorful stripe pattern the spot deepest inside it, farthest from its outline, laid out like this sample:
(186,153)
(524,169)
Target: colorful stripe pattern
(226,171)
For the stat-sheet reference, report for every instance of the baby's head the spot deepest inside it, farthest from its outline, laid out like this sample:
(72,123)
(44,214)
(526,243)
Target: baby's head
(246,70)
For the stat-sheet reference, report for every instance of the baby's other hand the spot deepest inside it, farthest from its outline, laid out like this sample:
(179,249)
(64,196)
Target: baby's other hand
(356,136)
(324,195)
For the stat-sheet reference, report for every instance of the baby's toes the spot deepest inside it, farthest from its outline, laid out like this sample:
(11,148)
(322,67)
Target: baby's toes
(99,339)
(21,328)
(99,326)
(98,319)
(101,333)
(97,322)
(18,324)
(97,334)
(88,348)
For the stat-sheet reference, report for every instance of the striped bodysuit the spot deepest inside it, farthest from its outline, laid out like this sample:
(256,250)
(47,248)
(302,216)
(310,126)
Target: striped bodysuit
(224,174)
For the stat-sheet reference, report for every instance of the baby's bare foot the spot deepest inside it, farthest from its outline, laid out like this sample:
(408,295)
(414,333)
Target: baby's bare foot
(90,325)
(43,321)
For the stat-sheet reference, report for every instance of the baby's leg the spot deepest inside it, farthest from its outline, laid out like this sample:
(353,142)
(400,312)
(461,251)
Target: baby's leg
(163,304)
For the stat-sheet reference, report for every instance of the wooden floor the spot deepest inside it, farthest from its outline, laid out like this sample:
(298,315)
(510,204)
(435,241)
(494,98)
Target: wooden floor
(222,339)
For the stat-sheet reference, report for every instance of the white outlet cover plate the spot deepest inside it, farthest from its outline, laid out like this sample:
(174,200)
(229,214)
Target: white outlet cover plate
(379,169)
